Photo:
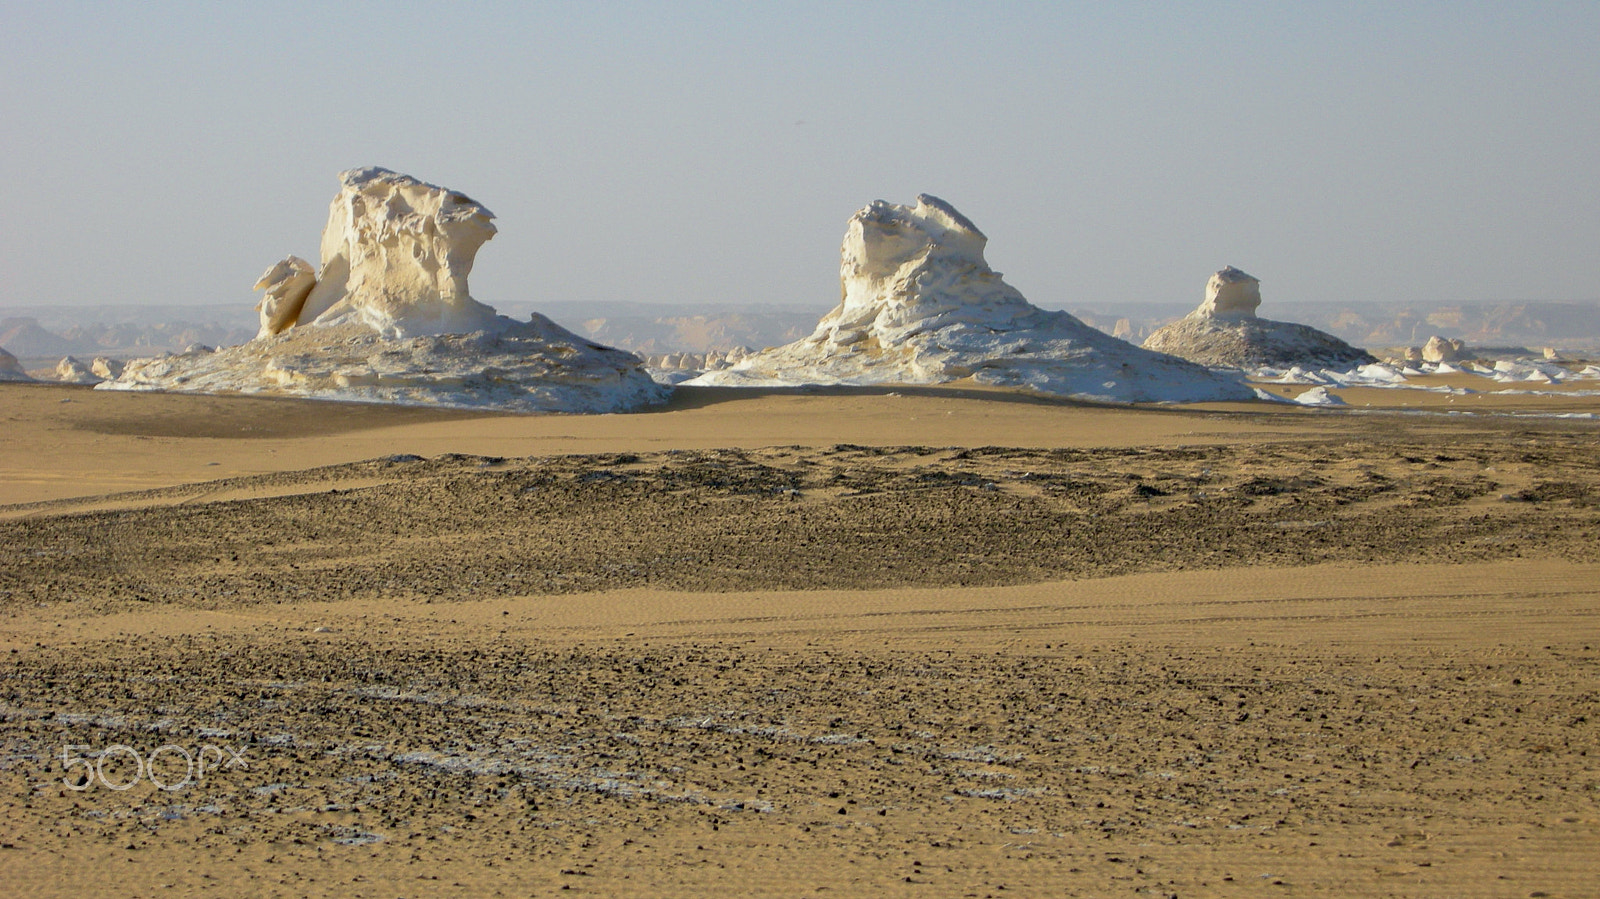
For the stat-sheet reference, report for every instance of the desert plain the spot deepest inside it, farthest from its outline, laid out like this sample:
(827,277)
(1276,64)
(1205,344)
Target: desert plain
(836,642)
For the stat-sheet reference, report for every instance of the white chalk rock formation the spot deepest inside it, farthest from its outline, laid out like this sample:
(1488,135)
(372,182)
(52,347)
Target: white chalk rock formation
(1318,396)
(11,369)
(921,306)
(1442,349)
(287,284)
(1231,293)
(389,318)
(1224,332)
(396,254)
(106,368)
(71,371)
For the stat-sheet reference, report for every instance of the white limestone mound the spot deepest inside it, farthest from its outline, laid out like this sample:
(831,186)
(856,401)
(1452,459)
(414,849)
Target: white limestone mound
(1318,396)
(533,366)
(1225,332)
(1443,349)
(105,368)
(71,371)
(388,318)
(1509,370)
(11,369)
(921,306)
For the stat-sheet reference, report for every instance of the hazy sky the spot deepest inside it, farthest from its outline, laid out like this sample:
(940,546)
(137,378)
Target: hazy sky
(695,152)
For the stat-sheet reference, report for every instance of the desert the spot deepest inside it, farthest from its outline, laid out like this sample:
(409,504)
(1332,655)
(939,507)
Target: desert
(876,450)
(906,640)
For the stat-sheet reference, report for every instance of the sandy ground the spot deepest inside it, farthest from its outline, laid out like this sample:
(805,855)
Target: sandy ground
(849,642)
(60,441)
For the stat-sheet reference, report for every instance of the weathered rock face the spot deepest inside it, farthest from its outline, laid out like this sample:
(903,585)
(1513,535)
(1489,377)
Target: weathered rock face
(11,369)
(532,366)
(1442,349)
(72,371)
(1231,294)
(389,318)
(287,284)
(396,253)
(105,368)
(920,305)
(1225,332)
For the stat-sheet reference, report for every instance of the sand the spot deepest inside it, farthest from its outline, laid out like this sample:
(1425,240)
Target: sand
(844,642)
(63,441)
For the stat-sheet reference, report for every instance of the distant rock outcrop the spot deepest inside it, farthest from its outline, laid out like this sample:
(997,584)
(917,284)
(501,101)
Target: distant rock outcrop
(389,318)
(106,368)
(654,330)
(11,369)
(72,371)
(920,305)
(1225,332)
(1442,349)
(676,368)
(24,337)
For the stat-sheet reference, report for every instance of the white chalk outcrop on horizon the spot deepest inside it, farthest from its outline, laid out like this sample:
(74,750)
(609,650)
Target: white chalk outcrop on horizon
(106,368)
(71,370)
(675,368)
(11,369)
(388,318)
(921,306)
(1443,349)
(1226,333)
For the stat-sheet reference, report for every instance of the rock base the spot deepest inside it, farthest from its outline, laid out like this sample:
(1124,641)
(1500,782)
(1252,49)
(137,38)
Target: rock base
(534,366)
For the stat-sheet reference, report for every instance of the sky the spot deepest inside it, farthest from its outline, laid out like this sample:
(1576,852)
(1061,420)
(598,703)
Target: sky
(696,153)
